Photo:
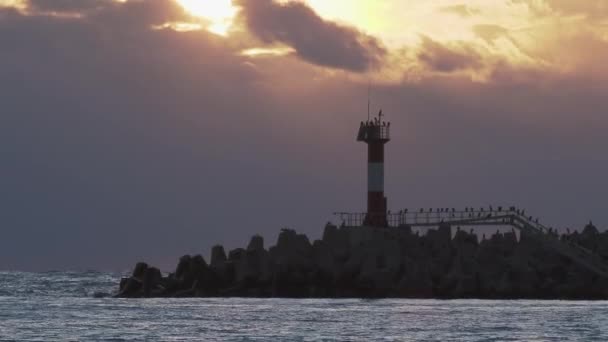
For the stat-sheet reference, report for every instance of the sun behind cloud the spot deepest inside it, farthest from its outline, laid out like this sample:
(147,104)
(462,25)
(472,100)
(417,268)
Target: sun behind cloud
(219,12)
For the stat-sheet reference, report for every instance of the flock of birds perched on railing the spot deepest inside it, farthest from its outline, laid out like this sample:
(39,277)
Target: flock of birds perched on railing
(445,215)
(469,212)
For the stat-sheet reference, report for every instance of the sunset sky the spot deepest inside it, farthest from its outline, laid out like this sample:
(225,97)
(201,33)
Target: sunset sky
(147,129)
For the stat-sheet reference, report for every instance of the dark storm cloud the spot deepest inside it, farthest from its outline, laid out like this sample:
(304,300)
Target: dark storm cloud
(442,58)
(314,39)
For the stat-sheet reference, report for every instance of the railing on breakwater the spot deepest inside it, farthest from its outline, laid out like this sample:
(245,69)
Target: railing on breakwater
(451,216)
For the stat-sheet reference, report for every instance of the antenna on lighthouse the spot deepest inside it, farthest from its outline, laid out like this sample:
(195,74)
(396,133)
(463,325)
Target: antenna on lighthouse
(369,96)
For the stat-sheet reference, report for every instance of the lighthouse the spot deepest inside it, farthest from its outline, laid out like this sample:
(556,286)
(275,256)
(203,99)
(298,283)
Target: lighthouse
(375,133)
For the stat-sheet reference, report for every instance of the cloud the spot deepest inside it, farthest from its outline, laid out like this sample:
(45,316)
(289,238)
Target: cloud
(448,59)
(122,143)
(462,10)
(133,13)
(67,5)
(141,13)
(489,32)
(594,9)
(314,39)
(591,8)
(101,116)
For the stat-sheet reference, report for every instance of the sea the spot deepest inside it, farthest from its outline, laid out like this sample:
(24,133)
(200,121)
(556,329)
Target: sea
(75,306)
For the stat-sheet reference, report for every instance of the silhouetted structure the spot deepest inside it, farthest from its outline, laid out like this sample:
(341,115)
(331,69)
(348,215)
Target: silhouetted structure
(377,254)
(376,134)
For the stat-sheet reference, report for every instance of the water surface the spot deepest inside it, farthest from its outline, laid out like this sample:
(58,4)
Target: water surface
(57,306)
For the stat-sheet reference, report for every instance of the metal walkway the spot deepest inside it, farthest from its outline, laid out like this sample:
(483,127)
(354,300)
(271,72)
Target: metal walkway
(485,217)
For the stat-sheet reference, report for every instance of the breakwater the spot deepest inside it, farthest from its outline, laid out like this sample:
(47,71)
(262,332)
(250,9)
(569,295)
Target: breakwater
(365,262)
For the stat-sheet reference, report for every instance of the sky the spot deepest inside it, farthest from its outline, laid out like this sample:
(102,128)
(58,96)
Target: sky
(147,129)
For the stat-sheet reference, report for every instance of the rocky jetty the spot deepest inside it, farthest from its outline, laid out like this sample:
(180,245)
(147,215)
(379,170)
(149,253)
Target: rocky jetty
(368,262)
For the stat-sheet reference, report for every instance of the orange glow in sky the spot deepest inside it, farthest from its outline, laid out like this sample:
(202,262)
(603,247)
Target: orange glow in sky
(219,12)
(395,22)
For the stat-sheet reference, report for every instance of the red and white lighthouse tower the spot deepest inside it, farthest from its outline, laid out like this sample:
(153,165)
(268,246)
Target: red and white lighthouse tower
(375,133)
